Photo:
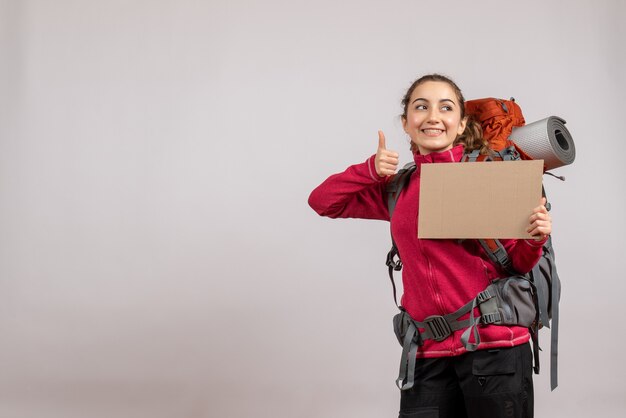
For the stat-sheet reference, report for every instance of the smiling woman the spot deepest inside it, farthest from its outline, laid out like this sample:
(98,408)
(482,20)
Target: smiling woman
(434,117)
(493,378)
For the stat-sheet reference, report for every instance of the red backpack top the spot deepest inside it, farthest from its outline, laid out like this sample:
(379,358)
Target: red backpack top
(497,118)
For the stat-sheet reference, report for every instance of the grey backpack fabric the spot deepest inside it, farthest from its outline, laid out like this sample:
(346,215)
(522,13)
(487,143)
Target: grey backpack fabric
(506,301)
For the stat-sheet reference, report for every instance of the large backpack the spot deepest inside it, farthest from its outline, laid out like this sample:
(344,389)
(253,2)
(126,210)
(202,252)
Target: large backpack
(529,300)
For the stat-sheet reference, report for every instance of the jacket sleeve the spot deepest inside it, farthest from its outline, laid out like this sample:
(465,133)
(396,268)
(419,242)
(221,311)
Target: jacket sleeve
(524,253)
(358,192)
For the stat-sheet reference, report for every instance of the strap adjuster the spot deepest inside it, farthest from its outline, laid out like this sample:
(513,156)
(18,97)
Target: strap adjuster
(438,327)
(483,296)
(490,318)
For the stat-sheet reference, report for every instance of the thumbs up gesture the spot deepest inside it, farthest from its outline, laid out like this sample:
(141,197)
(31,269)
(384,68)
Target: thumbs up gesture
(386,161)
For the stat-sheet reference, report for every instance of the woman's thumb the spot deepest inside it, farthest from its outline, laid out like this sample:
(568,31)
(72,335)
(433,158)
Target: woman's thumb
(381,140)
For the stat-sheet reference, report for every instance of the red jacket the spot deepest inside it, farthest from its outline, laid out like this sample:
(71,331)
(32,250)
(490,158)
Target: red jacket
(439,276)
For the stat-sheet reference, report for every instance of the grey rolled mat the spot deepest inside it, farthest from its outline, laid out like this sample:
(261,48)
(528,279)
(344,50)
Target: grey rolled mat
(546,139)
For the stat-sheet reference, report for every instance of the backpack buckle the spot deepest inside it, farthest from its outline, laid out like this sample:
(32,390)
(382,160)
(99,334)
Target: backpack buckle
(438,327)
(396,265)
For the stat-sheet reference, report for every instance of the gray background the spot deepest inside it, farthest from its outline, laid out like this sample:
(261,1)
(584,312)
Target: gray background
(157,254)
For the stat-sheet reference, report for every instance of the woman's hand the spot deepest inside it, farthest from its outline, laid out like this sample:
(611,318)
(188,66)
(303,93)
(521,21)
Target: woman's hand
(540,222)
(386,161)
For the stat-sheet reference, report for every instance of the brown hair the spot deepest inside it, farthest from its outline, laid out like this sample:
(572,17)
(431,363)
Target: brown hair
(472,136)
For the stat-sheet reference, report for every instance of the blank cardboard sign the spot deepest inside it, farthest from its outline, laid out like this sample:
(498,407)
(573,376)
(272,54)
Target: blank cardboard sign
(478,200)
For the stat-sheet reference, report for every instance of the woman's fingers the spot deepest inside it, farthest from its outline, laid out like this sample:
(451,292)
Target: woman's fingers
(540,222)
(543,216)
(386,169)
(540,232)
(386,161)
(389,157)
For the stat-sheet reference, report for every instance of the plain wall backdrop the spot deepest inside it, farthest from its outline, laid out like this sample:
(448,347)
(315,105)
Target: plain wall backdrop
(157,254)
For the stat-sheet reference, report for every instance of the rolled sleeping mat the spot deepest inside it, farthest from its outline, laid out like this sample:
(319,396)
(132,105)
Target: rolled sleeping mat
(546,139)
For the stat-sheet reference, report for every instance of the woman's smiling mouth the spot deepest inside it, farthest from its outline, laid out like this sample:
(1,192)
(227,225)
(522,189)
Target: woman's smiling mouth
(432,132)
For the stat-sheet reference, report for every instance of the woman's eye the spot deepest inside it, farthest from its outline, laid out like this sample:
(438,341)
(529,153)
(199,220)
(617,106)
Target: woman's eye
(420,107)
(446,108)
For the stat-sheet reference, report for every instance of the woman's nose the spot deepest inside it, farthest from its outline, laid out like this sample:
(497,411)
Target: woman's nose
(433,116)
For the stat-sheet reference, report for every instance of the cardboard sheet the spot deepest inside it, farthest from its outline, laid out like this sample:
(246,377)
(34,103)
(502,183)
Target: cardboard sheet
(478,200)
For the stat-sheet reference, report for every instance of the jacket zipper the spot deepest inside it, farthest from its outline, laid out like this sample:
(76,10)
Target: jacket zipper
(432,283)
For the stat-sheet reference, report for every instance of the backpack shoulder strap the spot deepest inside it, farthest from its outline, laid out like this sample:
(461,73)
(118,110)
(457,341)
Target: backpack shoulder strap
(493,247)
(497,253)
(397,183)
(394,188)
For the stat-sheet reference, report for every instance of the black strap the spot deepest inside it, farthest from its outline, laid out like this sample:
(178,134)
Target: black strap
(393,265)
(394,188)
(534,335)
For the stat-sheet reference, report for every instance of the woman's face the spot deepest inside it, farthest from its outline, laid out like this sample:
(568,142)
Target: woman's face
(433,117)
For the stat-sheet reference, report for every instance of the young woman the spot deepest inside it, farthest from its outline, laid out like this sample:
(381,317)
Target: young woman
(440,276)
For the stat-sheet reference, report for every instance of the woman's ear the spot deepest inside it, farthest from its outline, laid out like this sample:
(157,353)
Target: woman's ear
(462,125)
(404,123)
